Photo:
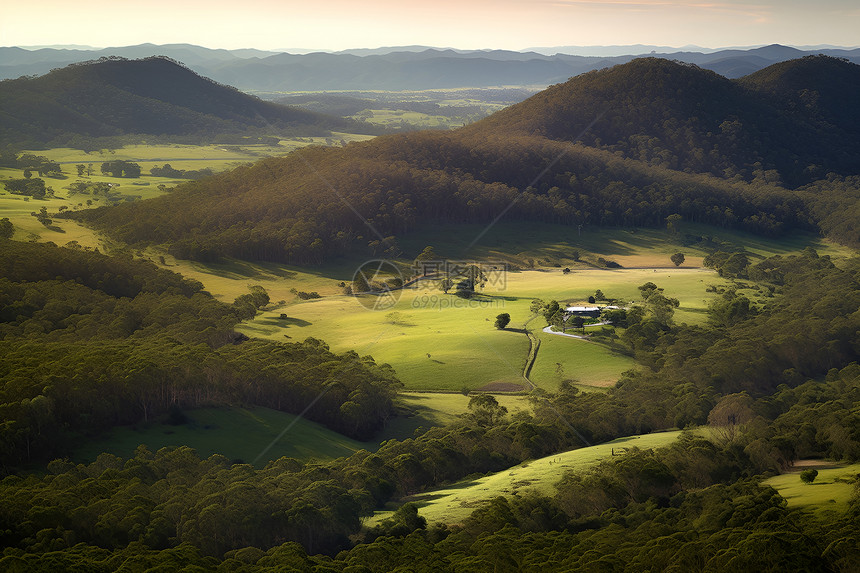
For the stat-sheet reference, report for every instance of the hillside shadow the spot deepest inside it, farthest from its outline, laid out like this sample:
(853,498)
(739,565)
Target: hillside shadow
(284,322)
(238,270)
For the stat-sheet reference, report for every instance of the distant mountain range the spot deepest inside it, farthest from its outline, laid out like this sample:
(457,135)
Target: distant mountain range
(409,67)
(154,96)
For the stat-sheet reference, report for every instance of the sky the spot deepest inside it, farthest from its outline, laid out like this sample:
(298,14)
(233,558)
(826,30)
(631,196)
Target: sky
(464,24)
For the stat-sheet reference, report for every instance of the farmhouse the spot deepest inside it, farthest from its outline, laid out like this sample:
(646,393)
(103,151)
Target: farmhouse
(583,311)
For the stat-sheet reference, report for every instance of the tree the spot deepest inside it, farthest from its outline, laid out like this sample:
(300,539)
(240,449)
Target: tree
(485,410)
(678,259)
(120,168)
(503,320)
(730,415)
(428,254)
(673,223)
(616,317)
(648,289)
(7,229)
(808,476)
(82,169)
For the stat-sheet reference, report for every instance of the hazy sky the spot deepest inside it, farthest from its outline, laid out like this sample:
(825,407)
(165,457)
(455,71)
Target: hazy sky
(507,24)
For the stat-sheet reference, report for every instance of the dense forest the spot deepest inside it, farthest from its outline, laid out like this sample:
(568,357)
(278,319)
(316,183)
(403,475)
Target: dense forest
(696,505)
(79,104)
(90,342)
(663,138)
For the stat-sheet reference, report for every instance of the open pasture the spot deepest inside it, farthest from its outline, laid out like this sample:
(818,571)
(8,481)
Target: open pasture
(237,433)
(453,504)
(438,341)
(429,409)
(188,157)
(245,433)
(832,488)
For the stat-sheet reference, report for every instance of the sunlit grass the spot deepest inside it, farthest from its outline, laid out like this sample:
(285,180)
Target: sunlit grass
(451,505)
(237,433)
(832,488)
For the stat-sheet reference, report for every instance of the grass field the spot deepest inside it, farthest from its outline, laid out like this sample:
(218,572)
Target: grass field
(465,351)
(188,157)
(428,409)
(452,504)
(832,489)
(442,342)
(237,433)
(431,348)
(586,364)
(246,433)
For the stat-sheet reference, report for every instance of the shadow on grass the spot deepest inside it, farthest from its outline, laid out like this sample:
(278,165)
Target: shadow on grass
(447,491)
(284,322)
(235,269)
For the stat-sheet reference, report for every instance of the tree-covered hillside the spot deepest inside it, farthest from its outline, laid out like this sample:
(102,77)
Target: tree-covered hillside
(769,396)
(89,342)
(663,138)
(792,121)
(155,96)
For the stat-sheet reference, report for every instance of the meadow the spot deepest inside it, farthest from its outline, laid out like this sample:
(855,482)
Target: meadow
(258,435)
(241,434)
(439,342)
(179,156)
(832,488)
(452,504)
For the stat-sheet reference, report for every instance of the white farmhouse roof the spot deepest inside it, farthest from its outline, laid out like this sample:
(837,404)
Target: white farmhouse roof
(582,308)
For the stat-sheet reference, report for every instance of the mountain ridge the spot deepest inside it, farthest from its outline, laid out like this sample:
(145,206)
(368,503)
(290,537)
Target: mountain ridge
(369,70)
(157,96)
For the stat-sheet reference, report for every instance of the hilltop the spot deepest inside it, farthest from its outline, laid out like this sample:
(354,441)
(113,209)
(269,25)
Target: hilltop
(687,118)
(155,96)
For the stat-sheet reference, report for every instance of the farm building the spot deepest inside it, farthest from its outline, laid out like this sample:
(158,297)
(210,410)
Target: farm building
(583,311)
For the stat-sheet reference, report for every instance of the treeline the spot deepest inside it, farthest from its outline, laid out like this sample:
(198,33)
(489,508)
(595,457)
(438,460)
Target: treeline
(91,341)
(835,202)
(283,210)
(168,171)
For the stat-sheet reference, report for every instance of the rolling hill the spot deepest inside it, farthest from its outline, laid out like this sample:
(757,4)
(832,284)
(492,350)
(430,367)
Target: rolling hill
(155,96)
(793,117)
(672,138)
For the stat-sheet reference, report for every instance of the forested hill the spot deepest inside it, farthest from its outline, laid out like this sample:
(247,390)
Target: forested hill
(88,342)
(157,96)
(796,118)
(696,144)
